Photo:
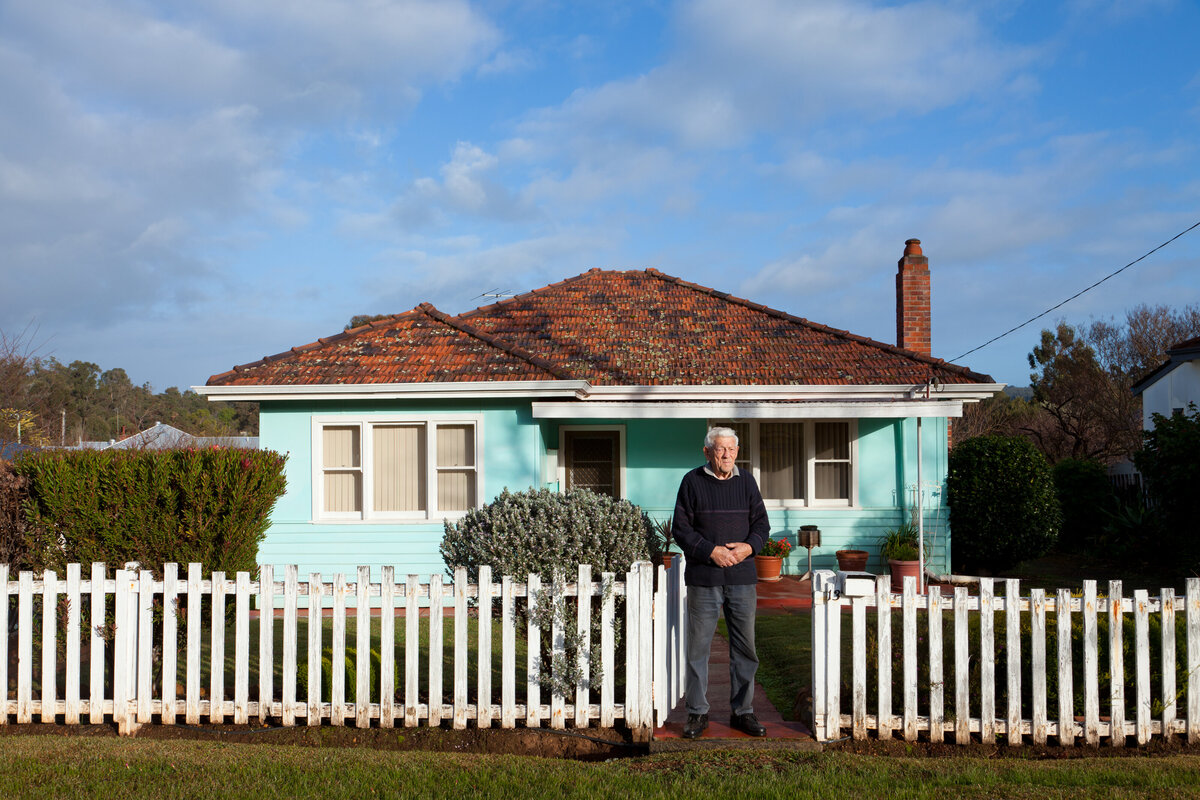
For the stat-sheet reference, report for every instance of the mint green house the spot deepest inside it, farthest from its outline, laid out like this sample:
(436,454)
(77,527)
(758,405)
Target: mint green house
(608,380)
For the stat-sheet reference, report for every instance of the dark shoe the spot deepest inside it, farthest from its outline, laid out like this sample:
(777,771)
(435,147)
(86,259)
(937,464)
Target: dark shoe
(695,725)
(747,723)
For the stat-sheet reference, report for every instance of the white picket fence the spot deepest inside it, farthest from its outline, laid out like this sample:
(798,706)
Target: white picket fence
(972,711)
(122,686)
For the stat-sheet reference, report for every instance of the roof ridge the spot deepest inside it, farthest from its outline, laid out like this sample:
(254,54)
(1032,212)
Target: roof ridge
(493,341)
(891,348)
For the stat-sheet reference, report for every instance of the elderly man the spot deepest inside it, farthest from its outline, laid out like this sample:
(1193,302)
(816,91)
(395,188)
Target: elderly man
(719,522)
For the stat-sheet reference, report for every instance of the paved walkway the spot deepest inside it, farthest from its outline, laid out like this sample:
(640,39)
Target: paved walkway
(787,595)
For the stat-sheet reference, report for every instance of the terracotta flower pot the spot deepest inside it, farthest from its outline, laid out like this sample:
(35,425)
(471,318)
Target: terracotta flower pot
(768,567)
(900,569)
(852,560)
(663,558)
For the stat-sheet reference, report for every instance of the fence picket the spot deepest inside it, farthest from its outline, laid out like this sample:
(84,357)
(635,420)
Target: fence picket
(1066,678)
(633,642)
(121,666)
(883,637)
(1091,666)
(192,712)
(145,646)
(937,685)
(483,692)
(71,685)
(987,662)
(909,624)
(24,648)
(962,689)
(96,639)
(533,654)
(436,630)
(387,648)
(337,675)
(362,648)
(645,689)
(241,648)
(316,625)
(1116,664)
(412,652)
(558,650)
(508,655)
(1037,645)
(460,647)
(216,692)
(291,603)
(170,642)
(583,638)
(1193,660)
(1168,662)
(858,668)
(4,596)
(1012,630)
(608,606)
(49,643)
(1141,627)
(266,641)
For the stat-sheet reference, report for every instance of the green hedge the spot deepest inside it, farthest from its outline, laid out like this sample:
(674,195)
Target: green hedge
(210,506)
(1003,507)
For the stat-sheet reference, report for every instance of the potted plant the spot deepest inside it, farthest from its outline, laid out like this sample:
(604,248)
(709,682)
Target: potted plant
(769,561)
(852,560)
(659,539)
(899,546)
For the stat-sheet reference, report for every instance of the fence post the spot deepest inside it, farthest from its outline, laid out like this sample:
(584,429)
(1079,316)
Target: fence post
(4,645)
(820,585)
(645,701)
(1193,660)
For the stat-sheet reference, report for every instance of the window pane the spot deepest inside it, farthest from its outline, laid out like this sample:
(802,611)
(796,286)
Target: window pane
(833,481)
(340,446)
(456,446)
(343,491)
(833,440)
(456,490)
(399,463)
(592,461)
(781,464)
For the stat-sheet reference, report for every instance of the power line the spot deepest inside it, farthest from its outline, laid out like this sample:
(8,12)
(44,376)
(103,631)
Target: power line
(1079,293)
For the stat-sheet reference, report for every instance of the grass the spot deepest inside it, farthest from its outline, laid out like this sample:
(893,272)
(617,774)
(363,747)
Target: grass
(55,767)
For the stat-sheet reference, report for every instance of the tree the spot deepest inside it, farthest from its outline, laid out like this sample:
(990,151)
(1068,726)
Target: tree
(1170,462)
(1088,412)
(1140,346)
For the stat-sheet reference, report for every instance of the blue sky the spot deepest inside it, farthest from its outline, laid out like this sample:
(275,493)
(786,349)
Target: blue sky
(186,186)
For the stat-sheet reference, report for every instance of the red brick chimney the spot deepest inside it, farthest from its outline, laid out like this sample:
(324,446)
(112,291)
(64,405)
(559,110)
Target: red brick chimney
(912,299)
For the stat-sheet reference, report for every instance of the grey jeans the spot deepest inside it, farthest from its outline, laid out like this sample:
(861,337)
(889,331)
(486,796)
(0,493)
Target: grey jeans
(737,603)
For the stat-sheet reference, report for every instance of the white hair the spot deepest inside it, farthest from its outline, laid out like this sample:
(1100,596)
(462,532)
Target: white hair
(719,433)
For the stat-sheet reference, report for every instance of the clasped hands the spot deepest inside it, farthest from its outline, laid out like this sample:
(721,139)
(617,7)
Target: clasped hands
(726,555)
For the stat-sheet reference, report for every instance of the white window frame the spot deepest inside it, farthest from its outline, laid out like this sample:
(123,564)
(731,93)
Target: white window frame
(364,423)
(562,453)
(810,460)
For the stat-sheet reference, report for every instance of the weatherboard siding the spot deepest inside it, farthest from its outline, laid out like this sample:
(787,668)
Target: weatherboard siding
(658,453)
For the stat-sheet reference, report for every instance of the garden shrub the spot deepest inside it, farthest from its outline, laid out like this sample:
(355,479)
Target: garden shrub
(1003,508)
(209,506)
(14,489)
(549,534)
(1086,497)
(1170,464)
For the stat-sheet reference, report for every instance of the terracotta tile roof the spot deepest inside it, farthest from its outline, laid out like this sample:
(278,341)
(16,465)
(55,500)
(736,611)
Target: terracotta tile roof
(645,328)
(607,327)
(423,345)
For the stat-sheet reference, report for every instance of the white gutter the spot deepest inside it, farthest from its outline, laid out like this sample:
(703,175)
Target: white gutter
(803,409)
(396,391)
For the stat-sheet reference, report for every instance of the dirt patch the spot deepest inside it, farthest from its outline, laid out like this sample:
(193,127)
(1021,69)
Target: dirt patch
(582,745)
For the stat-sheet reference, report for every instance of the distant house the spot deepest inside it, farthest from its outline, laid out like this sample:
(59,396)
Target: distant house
(168,437)
(607,380)
(1172,386)
(10,450)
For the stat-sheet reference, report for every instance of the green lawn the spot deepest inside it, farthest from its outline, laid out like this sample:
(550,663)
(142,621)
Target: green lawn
(50,767)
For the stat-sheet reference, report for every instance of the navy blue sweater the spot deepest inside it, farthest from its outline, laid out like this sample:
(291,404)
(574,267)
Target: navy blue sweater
(711,512)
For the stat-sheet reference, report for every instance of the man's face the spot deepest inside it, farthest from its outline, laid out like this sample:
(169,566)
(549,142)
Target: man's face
(722,455)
